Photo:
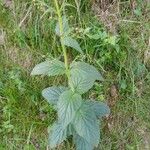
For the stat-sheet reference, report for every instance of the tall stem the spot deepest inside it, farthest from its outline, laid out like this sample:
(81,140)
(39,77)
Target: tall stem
(62,38)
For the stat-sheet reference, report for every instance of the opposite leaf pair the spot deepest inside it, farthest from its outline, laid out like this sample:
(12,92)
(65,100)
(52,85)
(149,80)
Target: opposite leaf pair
(82,75)
(76,117)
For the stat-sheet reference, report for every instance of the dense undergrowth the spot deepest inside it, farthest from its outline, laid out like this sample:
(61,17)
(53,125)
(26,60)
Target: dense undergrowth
(122,55)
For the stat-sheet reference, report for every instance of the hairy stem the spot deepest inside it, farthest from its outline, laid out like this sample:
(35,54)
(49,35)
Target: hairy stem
(62,37)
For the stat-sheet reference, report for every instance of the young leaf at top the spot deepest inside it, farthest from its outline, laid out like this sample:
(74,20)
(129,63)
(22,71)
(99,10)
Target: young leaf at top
(65,27)
(57,135)
(81,143)
(68,103)
(86,125)
(51,94)
(83,76)
(100,108)
(50,68)
(70,42)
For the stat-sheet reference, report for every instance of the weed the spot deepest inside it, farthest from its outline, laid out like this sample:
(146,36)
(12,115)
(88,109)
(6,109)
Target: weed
(76,117)
(27,37)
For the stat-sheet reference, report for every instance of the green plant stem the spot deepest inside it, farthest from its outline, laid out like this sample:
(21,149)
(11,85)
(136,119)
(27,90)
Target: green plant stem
(62,38)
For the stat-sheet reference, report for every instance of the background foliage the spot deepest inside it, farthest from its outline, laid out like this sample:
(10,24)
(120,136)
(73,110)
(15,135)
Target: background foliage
(114,38)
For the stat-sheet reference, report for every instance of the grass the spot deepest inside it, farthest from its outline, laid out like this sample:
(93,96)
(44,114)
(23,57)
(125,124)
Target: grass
(30,38)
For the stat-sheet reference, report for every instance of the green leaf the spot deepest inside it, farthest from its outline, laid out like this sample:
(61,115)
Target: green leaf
(70,42)
(83,76)
(94,36)
(100,108)
(86,125)
(51,68)
(86,69)
(138,12)
(67,105)
(82,144)
(80,82)
(26,147)
(112,40)
(65,27)
(57,136)
(51,94)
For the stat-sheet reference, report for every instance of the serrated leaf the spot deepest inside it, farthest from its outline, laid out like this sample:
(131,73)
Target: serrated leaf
(100,108)
(58,135)
(86,125)
(80,82)
(51,68)
(68,103)
(65,27)
(70,42)
(83,76)
(82,144)
(86,69)
(51,94)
